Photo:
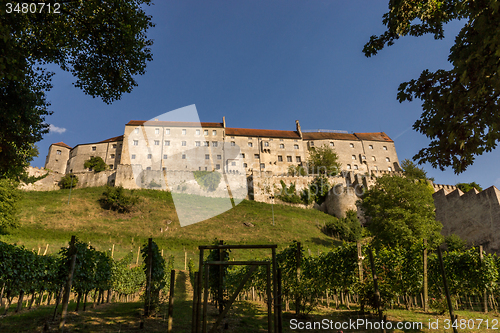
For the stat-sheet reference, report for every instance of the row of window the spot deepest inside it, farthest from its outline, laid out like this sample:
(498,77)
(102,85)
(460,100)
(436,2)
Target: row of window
(183,131)
(387,159)
(355,167)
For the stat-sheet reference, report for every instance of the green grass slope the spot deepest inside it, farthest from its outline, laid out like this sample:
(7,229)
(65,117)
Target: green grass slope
(46,218)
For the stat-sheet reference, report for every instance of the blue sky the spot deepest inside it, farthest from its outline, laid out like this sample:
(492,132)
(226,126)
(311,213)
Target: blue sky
(264,64)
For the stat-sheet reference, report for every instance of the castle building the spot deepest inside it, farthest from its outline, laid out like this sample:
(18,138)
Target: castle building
(186,146)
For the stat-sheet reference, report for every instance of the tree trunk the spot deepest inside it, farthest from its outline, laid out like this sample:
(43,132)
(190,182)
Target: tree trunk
(58,300)
(1,295)
(20,301)
(78,302)
(32,301)
(85,301)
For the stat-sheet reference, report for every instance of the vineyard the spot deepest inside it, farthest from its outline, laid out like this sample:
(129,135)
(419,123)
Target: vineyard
(342,278)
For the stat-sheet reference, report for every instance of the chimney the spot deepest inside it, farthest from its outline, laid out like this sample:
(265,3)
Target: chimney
(223,121)
(298,128)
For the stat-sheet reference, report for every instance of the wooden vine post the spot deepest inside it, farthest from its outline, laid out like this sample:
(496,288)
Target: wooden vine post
(69,282)
(446,290)
(426,289)
(171,301)
(375,286)
(149,262)
(297,295)
(220,298)
(485,293)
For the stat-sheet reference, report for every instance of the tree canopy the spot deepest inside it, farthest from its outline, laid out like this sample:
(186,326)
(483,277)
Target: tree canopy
(412,171)
(323,160)
(102,43)
(461,112)
(401,211)
(95,163)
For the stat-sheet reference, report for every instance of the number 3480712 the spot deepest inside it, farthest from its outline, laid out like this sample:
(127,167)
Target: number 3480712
(32,8)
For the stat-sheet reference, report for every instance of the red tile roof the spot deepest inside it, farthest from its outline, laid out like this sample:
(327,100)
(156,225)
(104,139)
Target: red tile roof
(116,138)
(62,144)
(261,133)
(328,136)
(378,136)
(173,123)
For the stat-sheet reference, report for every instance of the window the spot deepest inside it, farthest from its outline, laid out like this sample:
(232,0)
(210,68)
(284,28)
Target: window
(289,158)
(281,139)
(133,156)
(331,144)
(157,142)
(148,168)
(387,159)
(233,143)
(373,158)
(266,144)
(205,132)
(348,167)
(150,156)
(136,130)
(297,159)
(167,131)
(245,165)
(242,155)
(389,169)
(197,143)
(282,146)
(183,156)
(217,167)
(353,157)
(206,144)
(114,146)
(272,140)
(375,167)
(157,131)
(280,158)
(214,143)
(112,155)
(232,137)
(94,148)
(198,132)
(233,163)
(214,132)
(110,166)
(207,156)
(219,157)
(58,152)
(355,167)
(364,157)
(370,146)
(167,143)
(164,169)
(183,132)
(136,143)
(184,143)
(165,156)
(351,145)
(250,138)
(256,155)
(384,147)
(296,146)
(250,144)
(262,165)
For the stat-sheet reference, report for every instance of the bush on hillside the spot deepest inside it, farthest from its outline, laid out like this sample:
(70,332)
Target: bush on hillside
(68,181)
(347,228)
(95,163)
(208,180)
(114,198)
(288,194)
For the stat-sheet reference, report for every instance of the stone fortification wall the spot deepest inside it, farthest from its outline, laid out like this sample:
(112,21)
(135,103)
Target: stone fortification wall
(49,183)
(474,216)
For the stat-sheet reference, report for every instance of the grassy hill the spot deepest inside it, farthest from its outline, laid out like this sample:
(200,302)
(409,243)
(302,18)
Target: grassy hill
(46,218)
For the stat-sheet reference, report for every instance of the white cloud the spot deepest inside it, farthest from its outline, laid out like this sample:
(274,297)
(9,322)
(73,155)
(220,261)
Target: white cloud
(56,129)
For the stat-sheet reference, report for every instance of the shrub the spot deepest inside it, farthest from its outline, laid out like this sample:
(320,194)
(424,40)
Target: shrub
(95,163)
(455,243)
(114,198)
(288,194)
(208,180)
(317,191)
(68,181)
(296,170)
(347,228)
